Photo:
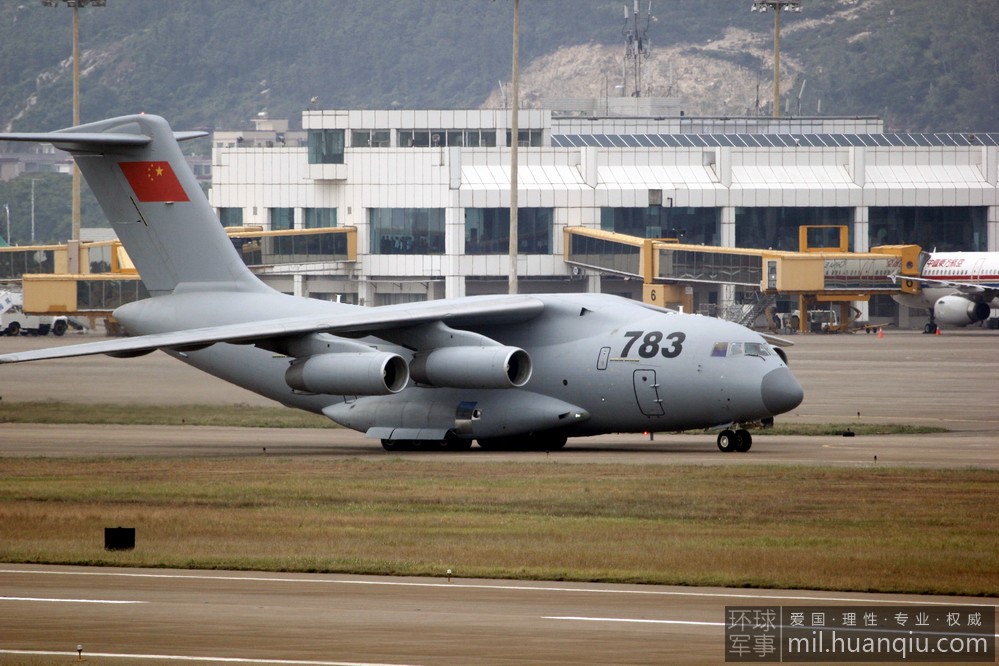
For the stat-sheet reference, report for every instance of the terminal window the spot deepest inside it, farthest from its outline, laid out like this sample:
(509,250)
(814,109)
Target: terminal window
(946,228)
(406,230)
(695,226)
(231,217)
(487,230)
(326,146)
(320,218)
(282,218)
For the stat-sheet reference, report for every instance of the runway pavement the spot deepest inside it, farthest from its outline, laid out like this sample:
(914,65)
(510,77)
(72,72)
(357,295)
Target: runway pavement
(154,616)
(140,616)
(961,449)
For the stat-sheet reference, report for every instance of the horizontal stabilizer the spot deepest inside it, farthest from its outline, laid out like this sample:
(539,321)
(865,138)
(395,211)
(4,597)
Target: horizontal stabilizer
(72,141)
(81,139)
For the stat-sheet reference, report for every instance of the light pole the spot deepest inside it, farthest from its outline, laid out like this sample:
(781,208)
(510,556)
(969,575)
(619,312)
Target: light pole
(76,5)
(776,6)
(514,143)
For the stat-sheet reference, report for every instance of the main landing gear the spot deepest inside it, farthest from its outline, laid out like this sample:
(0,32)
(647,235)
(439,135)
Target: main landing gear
(735,440)
(539,441)
(536,441)
(450,442)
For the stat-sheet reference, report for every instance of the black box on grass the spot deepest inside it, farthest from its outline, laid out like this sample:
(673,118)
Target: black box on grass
(119,538)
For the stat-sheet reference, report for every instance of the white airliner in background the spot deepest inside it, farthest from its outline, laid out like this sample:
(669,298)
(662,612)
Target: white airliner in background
(958,288)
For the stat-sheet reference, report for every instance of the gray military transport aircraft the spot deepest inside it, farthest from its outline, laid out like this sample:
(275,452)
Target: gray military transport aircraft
(510,372)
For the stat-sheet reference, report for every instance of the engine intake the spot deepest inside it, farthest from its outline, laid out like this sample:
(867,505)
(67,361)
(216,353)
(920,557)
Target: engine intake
(958,311)
(349,373)
(472,367)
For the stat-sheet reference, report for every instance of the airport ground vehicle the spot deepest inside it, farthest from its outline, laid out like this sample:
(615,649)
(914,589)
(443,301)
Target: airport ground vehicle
(13,320)
(819,321)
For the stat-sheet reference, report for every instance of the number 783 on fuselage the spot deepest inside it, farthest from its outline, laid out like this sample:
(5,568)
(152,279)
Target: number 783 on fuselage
(599,364)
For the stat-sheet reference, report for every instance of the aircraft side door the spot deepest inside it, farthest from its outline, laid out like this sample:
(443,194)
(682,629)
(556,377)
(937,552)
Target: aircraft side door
(978,269)
(647,392)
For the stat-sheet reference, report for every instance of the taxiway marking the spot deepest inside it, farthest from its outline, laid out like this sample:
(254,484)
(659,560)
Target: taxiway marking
(72,601)
(174,657)
(634,620)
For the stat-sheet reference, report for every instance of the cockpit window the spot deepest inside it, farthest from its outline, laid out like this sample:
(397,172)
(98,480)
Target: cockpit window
(732,349)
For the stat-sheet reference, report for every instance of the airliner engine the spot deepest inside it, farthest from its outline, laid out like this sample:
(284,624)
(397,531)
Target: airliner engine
(958,311)
(472,367)
(349,373)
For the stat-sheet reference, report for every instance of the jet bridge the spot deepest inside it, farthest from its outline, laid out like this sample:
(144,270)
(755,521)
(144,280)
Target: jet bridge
(92,279)
(816,274)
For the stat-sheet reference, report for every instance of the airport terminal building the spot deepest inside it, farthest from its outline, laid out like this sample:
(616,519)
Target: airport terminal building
(428,193)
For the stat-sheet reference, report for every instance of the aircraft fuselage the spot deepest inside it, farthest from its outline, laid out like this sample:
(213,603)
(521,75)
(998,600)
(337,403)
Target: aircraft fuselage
(662,371)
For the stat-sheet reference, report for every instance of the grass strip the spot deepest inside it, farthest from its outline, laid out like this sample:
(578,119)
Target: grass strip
(864,529)
(837,429)
(283,417)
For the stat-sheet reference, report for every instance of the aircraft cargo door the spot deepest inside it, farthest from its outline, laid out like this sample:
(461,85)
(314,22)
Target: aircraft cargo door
(647,393)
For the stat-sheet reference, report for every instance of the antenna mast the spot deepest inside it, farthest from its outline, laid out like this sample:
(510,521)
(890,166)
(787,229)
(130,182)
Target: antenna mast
(636,42)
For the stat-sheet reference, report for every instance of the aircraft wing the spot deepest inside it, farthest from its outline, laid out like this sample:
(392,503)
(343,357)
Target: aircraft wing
(968,289)
(362,321)
(776,341)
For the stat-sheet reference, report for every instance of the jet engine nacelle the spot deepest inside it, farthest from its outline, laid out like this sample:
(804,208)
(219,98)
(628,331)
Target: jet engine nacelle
(472,367)
(349,373)
(958,311)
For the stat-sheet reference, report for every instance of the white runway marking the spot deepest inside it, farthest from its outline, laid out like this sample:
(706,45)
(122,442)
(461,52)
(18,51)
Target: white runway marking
(173,657)
(762,595)
(635,621)
(72,601)
(717,624)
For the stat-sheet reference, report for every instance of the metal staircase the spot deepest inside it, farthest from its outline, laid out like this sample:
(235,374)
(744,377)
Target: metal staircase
(746,313)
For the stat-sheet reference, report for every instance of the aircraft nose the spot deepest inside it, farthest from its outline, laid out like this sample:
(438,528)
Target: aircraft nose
(781,391)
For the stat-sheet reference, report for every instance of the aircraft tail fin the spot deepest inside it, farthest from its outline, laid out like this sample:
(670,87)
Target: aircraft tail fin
(137,171)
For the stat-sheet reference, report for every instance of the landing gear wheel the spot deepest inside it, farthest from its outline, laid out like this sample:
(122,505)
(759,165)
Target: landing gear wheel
(400,444)
(537,441)
(549,442)
(930,328)
(500,444)
(745,440)
(727,441)
(452,442)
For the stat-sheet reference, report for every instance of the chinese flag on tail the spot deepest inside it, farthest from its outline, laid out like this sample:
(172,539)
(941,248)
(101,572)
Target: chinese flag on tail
(153,181)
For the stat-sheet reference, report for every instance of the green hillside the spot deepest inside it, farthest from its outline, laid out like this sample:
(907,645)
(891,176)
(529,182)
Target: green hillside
(923,64)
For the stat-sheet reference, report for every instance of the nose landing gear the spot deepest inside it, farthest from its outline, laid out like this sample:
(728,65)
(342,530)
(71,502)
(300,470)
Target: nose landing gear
(735,440)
